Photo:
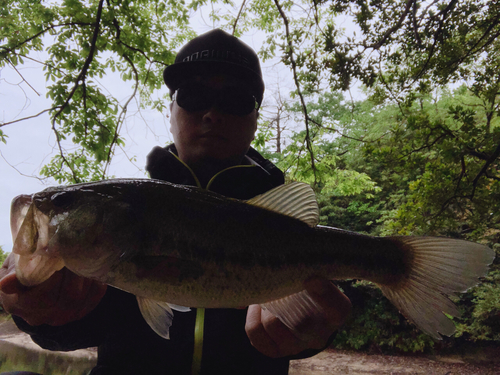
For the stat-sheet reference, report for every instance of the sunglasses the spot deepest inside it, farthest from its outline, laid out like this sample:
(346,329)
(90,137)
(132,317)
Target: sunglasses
(232,101)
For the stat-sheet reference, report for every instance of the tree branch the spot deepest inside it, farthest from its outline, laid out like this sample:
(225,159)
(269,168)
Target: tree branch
(397,26)
(52,27)
(338,132)
(18,171)
(492,177)
(490,40)
(477,154)
(422,16)
(238,16)
(484,169)
(297,85)
(415,26)
(81,77)
(463,170)
(121,117)
(27,118)
(20,75)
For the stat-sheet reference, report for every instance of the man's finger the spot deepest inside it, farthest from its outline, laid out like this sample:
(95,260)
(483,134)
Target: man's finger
(285,340)
(257,333)
(335,304)
(11,285)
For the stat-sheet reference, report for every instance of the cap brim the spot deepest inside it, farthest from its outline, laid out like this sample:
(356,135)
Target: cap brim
(174,75)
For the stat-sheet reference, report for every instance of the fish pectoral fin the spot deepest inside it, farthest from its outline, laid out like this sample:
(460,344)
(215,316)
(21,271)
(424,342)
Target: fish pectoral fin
(440,267)
(294,311)
(157,314)
(297,200)
(35,269)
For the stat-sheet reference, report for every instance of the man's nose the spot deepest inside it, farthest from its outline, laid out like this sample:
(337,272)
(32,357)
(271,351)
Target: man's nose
(214,114)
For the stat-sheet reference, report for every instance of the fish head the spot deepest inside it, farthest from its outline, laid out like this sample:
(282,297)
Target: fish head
(34,219)
(28,227)
(19,208)
(61,207)
(30,235)
(80,224)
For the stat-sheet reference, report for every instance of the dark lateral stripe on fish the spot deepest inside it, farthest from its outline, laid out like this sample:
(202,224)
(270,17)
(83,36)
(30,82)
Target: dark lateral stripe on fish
(190,247)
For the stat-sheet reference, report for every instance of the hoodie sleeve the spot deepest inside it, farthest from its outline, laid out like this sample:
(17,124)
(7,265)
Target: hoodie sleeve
(87,332)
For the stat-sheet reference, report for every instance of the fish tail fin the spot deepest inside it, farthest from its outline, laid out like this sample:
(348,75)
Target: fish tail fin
(440,267)
(35,269)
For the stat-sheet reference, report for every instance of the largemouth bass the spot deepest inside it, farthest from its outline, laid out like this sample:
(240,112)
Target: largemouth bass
(175,246)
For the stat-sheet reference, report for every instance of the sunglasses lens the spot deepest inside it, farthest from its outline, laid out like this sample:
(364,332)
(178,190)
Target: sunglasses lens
(231,101)
(236,102)
(193,99)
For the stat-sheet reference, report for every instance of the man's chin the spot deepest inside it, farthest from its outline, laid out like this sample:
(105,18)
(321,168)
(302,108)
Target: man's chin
(219,156)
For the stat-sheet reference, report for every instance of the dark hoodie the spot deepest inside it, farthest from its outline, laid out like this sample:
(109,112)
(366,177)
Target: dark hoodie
(127,345)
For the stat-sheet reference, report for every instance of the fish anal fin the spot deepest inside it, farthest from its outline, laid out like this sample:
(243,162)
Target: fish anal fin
(179,308)
(35,269)
(159,315)
(295,312)
(440,267)
(296,200)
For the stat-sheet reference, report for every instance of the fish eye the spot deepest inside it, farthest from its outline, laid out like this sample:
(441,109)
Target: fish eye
(61,199)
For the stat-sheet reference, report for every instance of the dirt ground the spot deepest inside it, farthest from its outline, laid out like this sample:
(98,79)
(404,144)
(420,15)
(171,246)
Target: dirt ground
(348,362)
(472,362)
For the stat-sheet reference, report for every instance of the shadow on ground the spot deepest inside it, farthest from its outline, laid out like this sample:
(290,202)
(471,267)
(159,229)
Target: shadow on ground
(357,363)
(18,352)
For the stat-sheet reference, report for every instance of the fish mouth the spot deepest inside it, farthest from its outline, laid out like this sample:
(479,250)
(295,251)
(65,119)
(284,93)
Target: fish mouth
(18,210)
(31,229)
(31,233)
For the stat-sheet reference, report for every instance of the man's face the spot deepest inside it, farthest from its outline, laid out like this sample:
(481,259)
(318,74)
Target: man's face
(212,134)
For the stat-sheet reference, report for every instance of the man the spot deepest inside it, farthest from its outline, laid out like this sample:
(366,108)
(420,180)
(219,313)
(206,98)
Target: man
(216,86)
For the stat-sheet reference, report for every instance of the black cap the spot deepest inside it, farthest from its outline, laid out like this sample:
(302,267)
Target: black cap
(216,52)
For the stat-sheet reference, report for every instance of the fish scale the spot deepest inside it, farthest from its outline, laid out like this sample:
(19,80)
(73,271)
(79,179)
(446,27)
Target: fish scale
(174,245)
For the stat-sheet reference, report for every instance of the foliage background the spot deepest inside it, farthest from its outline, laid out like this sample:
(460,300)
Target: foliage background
(415,154)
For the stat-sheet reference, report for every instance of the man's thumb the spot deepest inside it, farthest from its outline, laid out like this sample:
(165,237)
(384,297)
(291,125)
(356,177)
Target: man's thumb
(11,285)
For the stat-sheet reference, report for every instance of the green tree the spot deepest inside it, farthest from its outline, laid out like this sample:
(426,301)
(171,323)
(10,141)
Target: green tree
(3,255)
(399,47)
(84,41)
(435,166)
(402,45)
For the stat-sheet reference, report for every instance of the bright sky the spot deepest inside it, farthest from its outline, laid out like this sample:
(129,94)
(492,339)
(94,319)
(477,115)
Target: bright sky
(31,143)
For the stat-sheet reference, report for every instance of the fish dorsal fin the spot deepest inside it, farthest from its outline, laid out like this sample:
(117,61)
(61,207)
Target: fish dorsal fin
(296,200)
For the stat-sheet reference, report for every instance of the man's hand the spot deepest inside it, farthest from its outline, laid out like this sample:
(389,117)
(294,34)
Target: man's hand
(63,298)
(272,338)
